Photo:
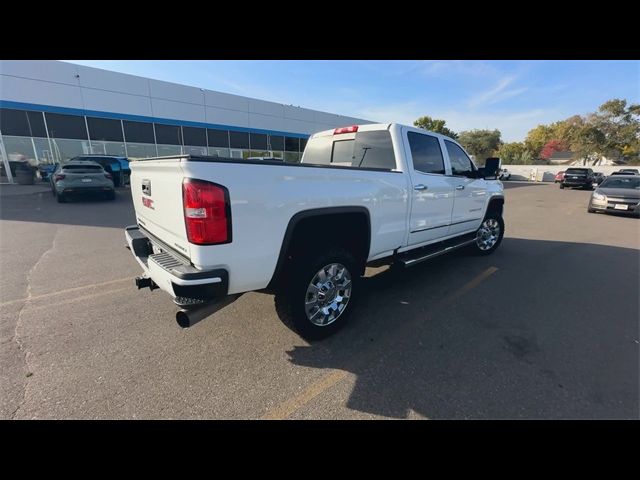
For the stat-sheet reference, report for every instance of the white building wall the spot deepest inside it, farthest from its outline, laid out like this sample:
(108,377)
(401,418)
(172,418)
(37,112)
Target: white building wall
(62,84)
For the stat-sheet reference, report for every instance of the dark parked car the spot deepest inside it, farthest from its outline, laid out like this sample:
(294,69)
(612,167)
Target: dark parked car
(619,194)
(598,178)
(578,177)
(630,170)
(112,164)
(622,172)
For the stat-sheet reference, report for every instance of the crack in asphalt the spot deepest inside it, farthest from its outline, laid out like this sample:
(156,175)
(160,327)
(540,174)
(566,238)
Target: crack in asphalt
(16,335)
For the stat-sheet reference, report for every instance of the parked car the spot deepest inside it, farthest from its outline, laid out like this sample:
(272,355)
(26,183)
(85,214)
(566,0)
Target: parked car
(211,230)
(125,169)
(578,177)
(619,194)
(504,174)
(622,172)
(630,170)
(81,177)
(45,170)
(559,176)
(598,178)
(112,164)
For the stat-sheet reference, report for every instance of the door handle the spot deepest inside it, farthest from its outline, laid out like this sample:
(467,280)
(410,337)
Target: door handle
(420,186)
(460,187)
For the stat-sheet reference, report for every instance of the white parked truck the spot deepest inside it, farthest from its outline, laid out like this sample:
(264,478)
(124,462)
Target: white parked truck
(209,229)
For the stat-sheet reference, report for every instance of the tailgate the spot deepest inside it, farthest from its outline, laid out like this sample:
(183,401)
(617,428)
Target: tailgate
(156,188)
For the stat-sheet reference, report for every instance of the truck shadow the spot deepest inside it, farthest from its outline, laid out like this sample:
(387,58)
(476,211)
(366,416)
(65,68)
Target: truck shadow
(553,333)
(517,184)
(89,210)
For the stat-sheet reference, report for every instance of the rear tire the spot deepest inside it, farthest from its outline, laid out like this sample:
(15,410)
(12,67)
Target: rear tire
(61,198)
(111,195)
(591,210)
(561,186)
(301,306)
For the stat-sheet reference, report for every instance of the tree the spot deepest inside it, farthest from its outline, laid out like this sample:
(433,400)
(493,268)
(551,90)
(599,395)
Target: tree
(480,143)
(515,153)
(551,147)
(537,137)
(435,125)
(620,127)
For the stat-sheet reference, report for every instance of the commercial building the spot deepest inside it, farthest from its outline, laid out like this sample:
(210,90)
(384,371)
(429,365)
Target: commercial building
(51,111)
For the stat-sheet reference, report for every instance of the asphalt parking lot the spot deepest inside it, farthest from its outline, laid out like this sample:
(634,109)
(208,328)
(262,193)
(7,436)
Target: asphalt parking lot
(546,328)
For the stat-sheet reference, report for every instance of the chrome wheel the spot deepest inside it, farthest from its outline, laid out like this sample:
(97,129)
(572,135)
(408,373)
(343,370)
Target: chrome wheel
(328,294)
(488,234)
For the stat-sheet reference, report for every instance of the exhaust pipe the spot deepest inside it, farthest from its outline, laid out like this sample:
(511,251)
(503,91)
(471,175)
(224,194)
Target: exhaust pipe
(189,317)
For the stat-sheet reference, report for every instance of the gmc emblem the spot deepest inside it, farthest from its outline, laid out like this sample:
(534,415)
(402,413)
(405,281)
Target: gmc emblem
(147,202)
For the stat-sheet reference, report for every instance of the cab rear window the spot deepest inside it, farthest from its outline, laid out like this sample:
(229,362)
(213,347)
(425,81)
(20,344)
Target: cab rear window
(367,150)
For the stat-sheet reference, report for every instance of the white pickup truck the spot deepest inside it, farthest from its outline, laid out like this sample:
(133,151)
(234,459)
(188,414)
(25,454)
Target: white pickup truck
(209,229)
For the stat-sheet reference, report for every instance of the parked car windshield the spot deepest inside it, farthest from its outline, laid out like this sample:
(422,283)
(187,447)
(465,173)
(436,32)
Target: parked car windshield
(577,170)
(621,182)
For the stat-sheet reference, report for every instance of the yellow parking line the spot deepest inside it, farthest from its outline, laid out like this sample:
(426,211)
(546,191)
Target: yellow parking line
(60,292)
(73,299)
(285,409)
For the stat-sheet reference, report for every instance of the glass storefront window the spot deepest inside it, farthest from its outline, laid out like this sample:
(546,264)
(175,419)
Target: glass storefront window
(43,150)
(65,149)
(292,157)
(219,152)
(20,149)
(277,154)
(191,150)
(108,148)
(141,150)
(258,153)
(166,150)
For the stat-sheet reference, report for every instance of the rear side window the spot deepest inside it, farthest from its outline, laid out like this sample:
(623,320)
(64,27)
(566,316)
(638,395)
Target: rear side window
(426,153)
(367,150)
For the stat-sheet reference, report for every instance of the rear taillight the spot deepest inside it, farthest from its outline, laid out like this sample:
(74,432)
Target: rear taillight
(351,129)
(207,212)
(108,175)
(59,177)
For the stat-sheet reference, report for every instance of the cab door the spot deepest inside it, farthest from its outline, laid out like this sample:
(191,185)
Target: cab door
(470,192)
(431,190)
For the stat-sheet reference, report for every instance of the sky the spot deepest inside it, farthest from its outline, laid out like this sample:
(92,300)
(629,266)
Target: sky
(512,96)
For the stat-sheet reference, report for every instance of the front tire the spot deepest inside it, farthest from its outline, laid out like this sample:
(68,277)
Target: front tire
(561,186)
(317,295)
(489,235)
(61,198)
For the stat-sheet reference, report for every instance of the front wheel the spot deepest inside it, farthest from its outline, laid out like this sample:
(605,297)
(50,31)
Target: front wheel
(317,296)
(561,186)
(489,235)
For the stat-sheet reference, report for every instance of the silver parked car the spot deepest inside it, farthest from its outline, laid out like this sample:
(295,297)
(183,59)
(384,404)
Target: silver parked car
(81,177)
(617,193)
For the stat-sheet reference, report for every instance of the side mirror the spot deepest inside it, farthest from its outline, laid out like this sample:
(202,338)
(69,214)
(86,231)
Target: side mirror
(491,168)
